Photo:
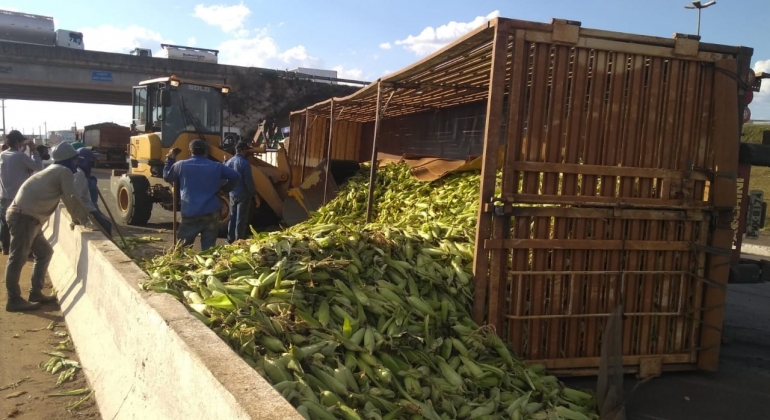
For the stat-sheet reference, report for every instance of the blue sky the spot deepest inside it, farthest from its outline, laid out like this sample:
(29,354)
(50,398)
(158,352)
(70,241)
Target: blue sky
(360,39)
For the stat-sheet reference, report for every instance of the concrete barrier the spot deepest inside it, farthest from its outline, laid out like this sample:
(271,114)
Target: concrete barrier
(145,356)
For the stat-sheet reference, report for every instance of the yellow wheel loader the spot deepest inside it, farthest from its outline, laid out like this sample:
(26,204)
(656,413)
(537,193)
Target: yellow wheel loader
(170,112)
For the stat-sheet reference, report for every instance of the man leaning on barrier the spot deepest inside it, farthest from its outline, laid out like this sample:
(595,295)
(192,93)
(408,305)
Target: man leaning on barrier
(36,201)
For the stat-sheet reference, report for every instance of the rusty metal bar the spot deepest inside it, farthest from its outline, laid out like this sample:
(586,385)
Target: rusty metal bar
(329,151)
(373,169)
(304,147)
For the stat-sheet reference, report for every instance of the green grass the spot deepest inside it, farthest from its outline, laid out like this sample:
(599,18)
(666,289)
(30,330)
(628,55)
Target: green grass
(752,133)
(760,176)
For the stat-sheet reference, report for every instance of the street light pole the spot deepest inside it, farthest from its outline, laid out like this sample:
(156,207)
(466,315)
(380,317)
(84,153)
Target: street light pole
(3,100)
(697,5)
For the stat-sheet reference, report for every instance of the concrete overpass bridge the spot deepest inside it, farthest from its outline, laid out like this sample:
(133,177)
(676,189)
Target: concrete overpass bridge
(41,73)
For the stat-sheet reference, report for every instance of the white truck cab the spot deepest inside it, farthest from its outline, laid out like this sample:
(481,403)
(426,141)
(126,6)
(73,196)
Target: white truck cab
(141,52)
(69,39)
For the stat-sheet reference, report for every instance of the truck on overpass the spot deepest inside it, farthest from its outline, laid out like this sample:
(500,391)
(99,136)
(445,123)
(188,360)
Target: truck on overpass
(35,29)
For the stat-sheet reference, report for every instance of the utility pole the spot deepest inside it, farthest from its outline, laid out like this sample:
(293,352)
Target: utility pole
(697,5)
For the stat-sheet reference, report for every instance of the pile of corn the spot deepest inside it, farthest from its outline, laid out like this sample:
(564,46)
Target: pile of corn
(368,322)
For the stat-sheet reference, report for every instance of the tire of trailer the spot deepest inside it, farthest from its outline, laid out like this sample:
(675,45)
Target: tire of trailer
(133,200)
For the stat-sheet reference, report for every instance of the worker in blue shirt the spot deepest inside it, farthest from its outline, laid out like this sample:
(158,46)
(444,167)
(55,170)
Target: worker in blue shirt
(242,195)
(200,179)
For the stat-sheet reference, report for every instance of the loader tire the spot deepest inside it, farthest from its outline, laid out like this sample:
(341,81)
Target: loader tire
(133,200)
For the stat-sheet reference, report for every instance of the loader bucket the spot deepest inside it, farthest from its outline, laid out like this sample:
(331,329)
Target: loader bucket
(309,196)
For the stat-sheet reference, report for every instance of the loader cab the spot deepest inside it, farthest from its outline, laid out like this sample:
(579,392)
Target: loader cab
(170,107)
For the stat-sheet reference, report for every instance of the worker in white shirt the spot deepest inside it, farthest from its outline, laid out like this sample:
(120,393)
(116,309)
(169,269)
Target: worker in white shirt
(85,186)
(36,201)
(15,167)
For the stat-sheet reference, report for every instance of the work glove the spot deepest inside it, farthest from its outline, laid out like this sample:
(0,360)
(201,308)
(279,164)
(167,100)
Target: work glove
(173,153)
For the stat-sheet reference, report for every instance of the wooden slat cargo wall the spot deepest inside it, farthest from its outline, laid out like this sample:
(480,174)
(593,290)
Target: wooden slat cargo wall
(617,186)
(608,201)
(308,147)
(452,133)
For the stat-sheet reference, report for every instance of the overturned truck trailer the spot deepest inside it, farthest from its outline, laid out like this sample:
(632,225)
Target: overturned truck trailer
(615,155)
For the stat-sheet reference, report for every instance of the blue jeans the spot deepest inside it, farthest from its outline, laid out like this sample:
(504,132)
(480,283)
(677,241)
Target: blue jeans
(106,224)
(93,191)
(5,233)
(207,226)
(239,218)
(26,235)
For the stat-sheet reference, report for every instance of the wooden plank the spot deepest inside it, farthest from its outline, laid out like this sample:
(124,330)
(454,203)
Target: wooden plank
(726,135)
(607,213)
(597,244)
(686,265)
(498,280)
(631,285)
(598,315)
(630,188)
(648,288)
(596,257)
(595,120)
(574,148)
(653,40)
(589,362)
(651,203)
(556,143)
(510,181)
(494,117)
(537,138)
(626,47)
(666,291)
(632,130)
(606,170)
(652,109)
(702,126)
(671,136)
(692,338)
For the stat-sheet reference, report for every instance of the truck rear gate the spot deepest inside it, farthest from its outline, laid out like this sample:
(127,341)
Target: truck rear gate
(619,156)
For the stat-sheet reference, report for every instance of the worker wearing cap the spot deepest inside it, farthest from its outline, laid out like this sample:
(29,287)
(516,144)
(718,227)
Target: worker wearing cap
(36,201)
(242,195)
(86,189)
(200,179)
(15,167)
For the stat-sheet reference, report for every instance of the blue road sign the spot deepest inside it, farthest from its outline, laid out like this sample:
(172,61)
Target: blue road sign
(101,76)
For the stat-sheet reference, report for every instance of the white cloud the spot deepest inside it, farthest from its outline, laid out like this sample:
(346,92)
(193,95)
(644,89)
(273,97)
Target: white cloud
(351,73)
(760,106)
(763,65)
(191,41)
(386,46)
(261,50)
(432,39)
(386,72)
(298,56)
(228,18)
(122,40)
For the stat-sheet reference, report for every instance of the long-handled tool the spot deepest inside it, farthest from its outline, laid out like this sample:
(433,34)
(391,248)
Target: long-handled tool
(94,221)
(173,209)
(114,223)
